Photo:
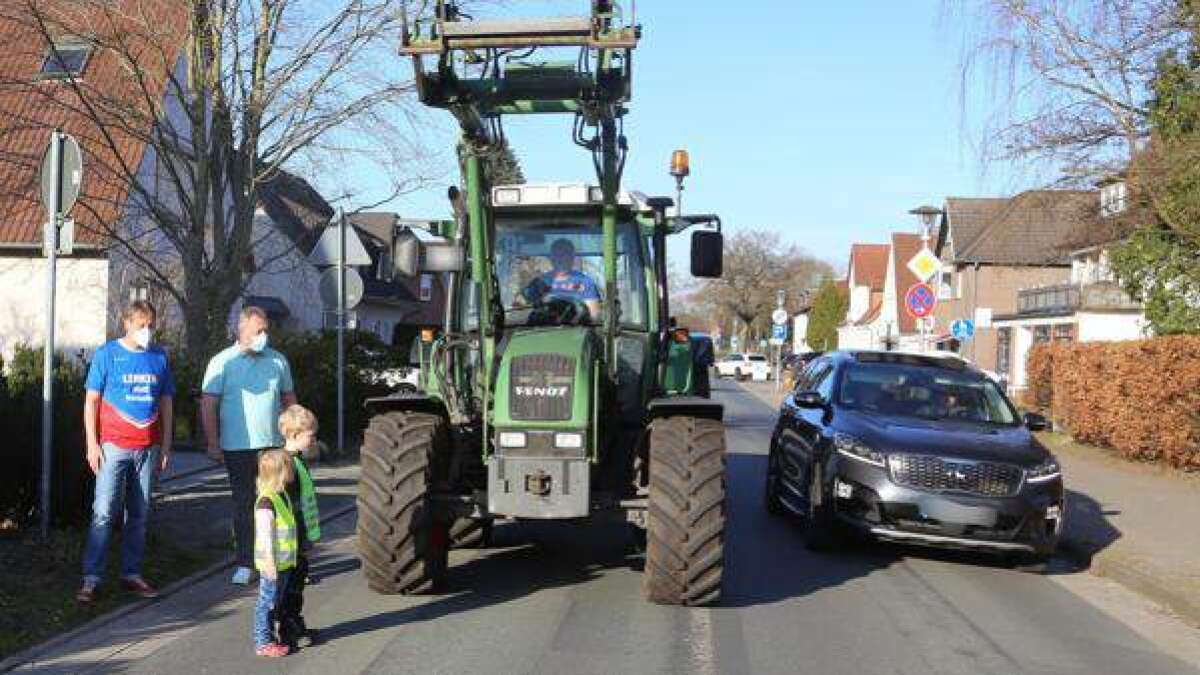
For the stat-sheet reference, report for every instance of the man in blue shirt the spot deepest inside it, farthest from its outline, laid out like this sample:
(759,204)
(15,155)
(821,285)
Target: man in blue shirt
(127,418)
(245,388)
(564,280)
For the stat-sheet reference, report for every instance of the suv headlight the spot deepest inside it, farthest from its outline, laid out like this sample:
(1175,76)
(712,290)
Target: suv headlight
(1047,470)
(855,449)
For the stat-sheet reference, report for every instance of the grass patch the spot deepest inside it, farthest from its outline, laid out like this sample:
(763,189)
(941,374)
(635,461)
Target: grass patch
(38,581)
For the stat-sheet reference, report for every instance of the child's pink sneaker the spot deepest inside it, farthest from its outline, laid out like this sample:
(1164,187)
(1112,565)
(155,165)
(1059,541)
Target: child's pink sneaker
(272,651)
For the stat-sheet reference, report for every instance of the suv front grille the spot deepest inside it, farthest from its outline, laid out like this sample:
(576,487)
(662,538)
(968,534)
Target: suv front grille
(934,474)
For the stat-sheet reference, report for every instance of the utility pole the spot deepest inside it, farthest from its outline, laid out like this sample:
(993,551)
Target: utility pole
(341,332)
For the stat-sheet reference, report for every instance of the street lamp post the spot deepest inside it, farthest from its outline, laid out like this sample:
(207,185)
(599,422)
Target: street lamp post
(928,215)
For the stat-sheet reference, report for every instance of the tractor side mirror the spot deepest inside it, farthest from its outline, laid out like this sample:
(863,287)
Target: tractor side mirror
(708,250)
(411,256)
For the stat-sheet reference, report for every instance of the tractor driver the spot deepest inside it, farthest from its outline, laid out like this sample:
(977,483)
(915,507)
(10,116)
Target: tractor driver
(564,280)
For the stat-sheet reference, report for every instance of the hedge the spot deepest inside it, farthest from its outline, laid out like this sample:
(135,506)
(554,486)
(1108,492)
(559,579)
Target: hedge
(1140,397)
(21,451)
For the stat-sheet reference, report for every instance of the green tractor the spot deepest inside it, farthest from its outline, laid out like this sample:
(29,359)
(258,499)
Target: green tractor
(557,388)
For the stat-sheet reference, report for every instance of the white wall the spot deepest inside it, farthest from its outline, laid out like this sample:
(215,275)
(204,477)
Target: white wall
(1096,327)
(860,302)
(284,273)
(799,331)
(82,300)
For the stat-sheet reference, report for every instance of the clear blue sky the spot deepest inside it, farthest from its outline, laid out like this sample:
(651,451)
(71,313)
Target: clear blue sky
(826,126)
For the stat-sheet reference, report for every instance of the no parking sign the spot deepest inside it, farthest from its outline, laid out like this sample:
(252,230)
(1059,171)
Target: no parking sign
(920,300)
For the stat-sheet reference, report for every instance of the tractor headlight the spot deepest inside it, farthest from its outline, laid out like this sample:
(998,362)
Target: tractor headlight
(512,439)
(853,448)
(1047,470)
(568,441)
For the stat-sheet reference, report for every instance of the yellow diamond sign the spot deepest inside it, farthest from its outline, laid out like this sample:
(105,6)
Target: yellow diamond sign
(924,265)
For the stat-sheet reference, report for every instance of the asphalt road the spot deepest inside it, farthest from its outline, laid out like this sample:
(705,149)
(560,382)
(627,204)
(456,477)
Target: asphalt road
(550,598)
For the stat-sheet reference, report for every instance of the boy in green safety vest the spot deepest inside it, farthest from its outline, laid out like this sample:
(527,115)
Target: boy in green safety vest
(276,547)
(298,426)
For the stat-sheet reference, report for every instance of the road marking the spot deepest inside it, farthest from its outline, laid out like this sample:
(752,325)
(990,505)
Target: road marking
(701,641)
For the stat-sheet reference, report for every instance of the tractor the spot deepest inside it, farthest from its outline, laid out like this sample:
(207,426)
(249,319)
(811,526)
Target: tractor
(557,387)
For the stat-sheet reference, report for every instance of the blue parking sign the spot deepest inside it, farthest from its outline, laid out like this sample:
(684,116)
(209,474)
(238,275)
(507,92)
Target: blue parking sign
(963,329)
(779,331)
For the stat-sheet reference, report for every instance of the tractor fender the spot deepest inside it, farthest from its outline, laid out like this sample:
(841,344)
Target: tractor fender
(405,401)
(691,406)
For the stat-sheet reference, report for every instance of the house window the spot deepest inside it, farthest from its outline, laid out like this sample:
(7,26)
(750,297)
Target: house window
(1064,332)
(946,287)
(1041,334)
(1112,199)
(426,287)
(65,60)
(384,271)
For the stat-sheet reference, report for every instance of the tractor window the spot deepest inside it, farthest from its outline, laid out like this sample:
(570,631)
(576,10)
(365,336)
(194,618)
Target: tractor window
(534,262)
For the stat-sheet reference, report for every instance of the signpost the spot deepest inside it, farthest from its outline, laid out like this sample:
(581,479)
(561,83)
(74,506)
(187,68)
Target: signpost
(778,333)
(61,179)
(963,329)
(919,301)
(338,248)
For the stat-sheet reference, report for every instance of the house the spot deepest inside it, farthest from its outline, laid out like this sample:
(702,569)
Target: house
(1088,306)
(36,96)
(993,248)
(865,278)
(878,279)
(800,331)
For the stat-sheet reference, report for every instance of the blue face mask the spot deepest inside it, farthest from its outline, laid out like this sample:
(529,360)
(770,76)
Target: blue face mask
(259,343)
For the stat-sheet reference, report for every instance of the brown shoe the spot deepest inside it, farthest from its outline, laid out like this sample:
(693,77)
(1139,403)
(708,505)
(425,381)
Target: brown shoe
(86,594)
(139,587)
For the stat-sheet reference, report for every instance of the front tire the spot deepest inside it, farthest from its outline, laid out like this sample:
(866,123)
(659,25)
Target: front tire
(771,490)
(685,542)
(402,540)
(821,529)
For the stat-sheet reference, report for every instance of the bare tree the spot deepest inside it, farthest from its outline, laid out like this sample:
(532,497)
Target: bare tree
(758,264)
(197,104)
(1065,81)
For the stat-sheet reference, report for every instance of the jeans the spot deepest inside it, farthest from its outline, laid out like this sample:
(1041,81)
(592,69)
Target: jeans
(242,467)
(266,609)
(125,475)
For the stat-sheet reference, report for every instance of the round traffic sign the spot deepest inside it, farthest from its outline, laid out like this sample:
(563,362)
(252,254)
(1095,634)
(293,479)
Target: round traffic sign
(920,300)
(779,316)
(328,288)
(70,178)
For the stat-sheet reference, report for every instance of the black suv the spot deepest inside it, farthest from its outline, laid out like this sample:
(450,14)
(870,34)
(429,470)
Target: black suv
(913,449)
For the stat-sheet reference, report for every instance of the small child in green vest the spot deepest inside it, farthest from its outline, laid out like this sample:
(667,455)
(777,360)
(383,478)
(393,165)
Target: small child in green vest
(299,428)
(275,547)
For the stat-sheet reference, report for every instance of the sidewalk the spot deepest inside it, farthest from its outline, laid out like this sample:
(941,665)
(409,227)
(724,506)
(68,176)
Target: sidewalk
(192,505)
(1133,523)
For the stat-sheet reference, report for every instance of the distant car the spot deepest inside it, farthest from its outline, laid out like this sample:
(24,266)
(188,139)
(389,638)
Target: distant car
(798,362)
(913,449)
(744,367)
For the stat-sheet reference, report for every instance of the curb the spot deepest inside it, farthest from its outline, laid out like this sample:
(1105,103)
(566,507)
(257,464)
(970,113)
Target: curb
(22,658)
(1134,579)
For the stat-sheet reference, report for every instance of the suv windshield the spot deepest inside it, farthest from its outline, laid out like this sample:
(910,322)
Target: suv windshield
(924,392)
(540,260)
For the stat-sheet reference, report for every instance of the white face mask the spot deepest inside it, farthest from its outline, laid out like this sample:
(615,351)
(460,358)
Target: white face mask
(142,337)
(259,343)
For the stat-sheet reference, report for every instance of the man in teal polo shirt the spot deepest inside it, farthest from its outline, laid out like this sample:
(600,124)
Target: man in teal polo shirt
(245,388)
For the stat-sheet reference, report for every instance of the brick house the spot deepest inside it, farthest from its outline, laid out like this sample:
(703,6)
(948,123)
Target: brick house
(879,287)
(866,275)
(991,249)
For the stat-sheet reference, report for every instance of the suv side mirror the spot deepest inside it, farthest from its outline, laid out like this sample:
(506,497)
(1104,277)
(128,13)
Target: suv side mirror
(708,250)
(1036,422)
(809,399)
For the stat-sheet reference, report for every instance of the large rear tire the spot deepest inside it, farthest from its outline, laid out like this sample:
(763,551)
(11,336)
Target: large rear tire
(685,542)
(402,541)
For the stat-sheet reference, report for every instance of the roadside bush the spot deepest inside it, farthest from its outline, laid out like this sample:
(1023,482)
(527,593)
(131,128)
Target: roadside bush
(313,357)
(1141,397)
(21,451)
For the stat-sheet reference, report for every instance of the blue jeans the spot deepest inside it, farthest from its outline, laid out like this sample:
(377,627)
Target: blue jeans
(128,476)
(270,596)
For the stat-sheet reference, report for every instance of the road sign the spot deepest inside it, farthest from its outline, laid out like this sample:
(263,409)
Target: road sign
(326,251)
(779,316)
(778,333)
(920,300)
(963,329)
(327,287)
(924,265)
(69,180)
(733,343)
